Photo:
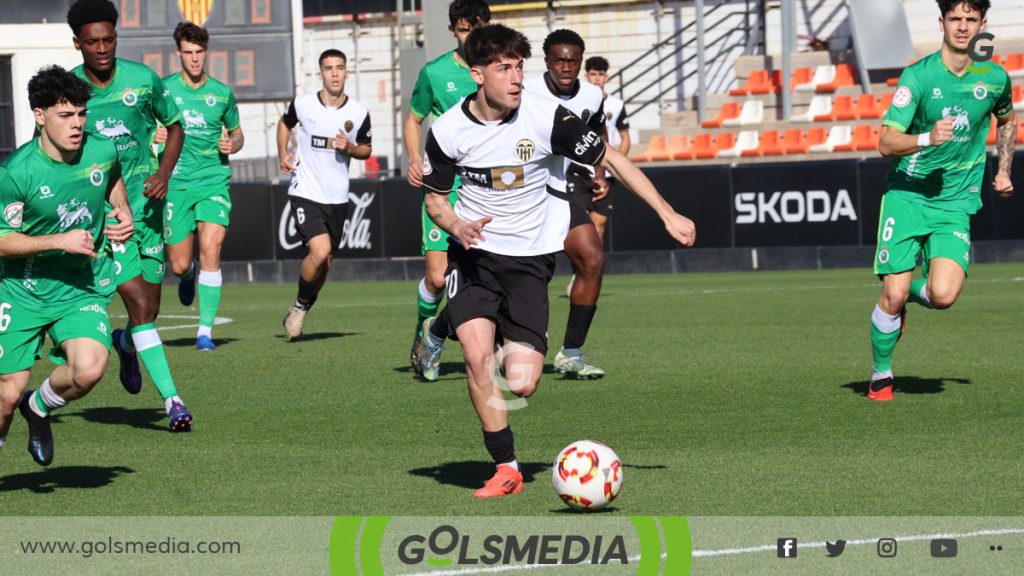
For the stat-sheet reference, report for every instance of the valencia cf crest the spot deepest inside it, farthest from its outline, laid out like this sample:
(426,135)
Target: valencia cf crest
(525,149)
(348,125)
(196,11)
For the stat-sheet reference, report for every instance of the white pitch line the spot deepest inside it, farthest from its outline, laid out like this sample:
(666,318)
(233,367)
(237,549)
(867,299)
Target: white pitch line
(217,321)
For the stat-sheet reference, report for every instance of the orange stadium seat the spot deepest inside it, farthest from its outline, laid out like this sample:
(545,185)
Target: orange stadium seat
(702,146)
(800,77)
(1020,129)
(680,146)
(678,143)
(759,82)
(816,136)
(844,77)
(1018,97)
(769,139)
(728,111)
(991,140)
(1014,64)
(996,58)
(862,136)
(893,82)
(842,108)
(657,145)
(724,141)
(886,101)
(870,140)
(867,107)
(794,141)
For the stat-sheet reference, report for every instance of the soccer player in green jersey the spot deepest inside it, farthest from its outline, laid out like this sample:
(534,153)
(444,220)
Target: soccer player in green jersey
(197,199)
(128,101)
(58,279)
(935,133)
(442,83)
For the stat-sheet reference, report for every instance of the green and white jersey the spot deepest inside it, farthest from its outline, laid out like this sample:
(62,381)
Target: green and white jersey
(949,176)
(442,83)
(127,111)
(204,112)
(43,196)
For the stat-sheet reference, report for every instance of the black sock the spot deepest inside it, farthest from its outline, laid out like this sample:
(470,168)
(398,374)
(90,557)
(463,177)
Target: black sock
(501,445)
(307,294)
(442,326)
(578,326)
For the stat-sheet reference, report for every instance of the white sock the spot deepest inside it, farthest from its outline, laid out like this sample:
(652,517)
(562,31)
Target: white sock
(875,375)
(146,339)
(50,399)
(427,295)
(205,331)
(924,296)
(169,401)
(886,324)
(207,278)
(513,464)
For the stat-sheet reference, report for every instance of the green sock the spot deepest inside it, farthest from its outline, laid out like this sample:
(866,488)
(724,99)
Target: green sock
(209,296)
(426,306)
(919,293)
(885,331)
(151,352)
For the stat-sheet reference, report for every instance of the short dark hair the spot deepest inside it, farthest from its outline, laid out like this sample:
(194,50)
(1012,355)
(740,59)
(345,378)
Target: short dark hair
(53,85)
(85,12)
(563,36)
(471,11)
(331,53)
(596,63)
(190,32)
(487,44)
(945,6)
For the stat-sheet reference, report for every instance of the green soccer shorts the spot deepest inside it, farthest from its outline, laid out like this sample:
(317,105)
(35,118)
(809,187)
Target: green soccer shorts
(434,237)
(23,327)
(143,253)
(185,208)
(907,230)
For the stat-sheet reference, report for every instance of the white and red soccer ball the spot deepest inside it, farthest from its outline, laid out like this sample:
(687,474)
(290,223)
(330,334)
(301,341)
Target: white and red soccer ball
(587,475)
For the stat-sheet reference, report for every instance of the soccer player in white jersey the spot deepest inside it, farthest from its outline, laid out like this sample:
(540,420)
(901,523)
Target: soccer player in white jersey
(617,121)
(503,143)
(580,186)
(333,129)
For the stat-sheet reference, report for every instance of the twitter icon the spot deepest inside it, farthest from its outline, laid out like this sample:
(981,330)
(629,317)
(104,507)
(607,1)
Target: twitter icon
(835,548)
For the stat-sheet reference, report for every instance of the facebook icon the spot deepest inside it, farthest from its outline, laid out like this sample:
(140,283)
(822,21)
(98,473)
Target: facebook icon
(787,548)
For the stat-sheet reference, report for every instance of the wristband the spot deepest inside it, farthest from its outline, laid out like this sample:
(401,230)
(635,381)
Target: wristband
(924,140)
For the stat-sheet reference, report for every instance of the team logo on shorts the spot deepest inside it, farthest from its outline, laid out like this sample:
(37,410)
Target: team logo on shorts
(102,328)
(96,176)
(883,256)
(525,149)
(210,100)
(435,234)
(348,125)
(13,213)
(426,165)
(902,97)
(129,98)
(980,91)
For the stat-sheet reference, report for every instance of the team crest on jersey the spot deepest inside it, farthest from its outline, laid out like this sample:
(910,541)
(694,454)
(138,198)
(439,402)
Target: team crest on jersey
(525,149)
(96,176)
(129,98)
(980,91)
(427,169)
(210,100)
(13,213)
(349,125)
(902,97)
(112,128)
(72,213)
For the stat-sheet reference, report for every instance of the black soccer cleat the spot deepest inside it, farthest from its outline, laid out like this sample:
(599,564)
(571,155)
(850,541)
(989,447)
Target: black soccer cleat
(40,437)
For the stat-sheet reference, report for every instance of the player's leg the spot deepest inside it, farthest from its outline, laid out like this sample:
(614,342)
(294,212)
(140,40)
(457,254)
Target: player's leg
(430,290)
(314,224)
(946,260)
(211,241)
(584,248)
(22,331)
(179,224)
(12,386)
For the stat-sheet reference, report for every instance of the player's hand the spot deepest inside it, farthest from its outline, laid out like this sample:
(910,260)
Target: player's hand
(469,234)
(1002,185)
(341,142)
(288,163)
(125,227)
(76,242)
(681,228)
(225,144)
(161,135)
(415,175)
(943,131)
(601,187)
(155,187)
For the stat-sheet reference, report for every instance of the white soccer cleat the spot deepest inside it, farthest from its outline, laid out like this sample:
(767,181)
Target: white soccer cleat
(293,323)
(576,364)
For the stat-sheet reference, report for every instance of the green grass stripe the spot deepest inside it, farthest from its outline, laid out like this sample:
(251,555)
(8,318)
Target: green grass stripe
(650,545)
(342,551)
(678,546)
(369,545)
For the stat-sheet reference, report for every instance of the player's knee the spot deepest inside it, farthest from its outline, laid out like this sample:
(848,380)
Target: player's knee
(942,298)
(85,375)
(320,256)
(180,266)
(9,398)
(434,280)
(593,262)
(893,301)
(523,388)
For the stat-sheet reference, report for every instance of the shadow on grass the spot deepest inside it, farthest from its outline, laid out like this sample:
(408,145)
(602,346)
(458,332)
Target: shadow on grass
(646,466)
(909,385)
(51,479)
(567,510)
(473,474)
(447,369)
(191,342)
(317,336)
(141,418)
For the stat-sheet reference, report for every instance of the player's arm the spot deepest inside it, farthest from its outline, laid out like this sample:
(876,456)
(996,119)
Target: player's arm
(284,135)
(232,139)
(622,125)
(155,186)
(411,137)
(678,226)
(894,143)
(117,197)
(597,124)
(15,244)
(362,147)
(438,179)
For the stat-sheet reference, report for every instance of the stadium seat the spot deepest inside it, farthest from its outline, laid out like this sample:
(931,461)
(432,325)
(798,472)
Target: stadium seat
(865,137)
(794,141)
(822,75)
(842,108)
(703,146)
(820,108)
(731,146)
(751,113)
(768,139)
(838,135)
(1018,98)
(1014,64)
(657,145)
(816,137)
(991,140)
(1020,129)
(677,145)
(886,101)
(728,111)
(801,76)
(867,107)
(680,146)
(759,82)
(893,82)
(844,77)
(996,58)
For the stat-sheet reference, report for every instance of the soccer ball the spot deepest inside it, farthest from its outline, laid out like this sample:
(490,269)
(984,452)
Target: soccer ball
(587,475)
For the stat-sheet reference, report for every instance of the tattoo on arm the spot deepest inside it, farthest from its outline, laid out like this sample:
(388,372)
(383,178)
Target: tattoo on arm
(1006,143)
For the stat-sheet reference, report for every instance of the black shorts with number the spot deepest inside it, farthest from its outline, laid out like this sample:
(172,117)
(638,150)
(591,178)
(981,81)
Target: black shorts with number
(604,206)
(579,189)
(313,219)
(510,290)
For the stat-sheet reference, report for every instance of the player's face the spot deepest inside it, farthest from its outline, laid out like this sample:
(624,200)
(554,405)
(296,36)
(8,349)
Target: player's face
(98,44)
(564,62)
(502,82)
(597,77)
(62,125)
(193,58)
(960,25)
(333,72)
(462,29)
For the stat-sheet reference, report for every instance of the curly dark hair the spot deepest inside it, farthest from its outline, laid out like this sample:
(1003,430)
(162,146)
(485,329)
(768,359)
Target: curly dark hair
(53,85)
(596,63)
(563,36)
(190,32)
(980,5)
(85,12)
(471,11)
(487,44)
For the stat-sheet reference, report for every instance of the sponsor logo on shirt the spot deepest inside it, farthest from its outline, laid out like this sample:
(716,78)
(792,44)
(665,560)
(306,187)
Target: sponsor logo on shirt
(963,236)
(45,193)
(72,213)
(112,128)
(451,87)
(94,307)
(194,119)
(936,93)
(585,143)
(349,125)
(499,178)
(961,122)
(154,250)
(13,213)
(178,100)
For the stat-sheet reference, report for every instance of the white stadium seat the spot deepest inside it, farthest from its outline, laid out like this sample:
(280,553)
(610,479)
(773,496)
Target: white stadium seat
(819,106)
(747,140)
(837,136)
(751,113)
(823,74)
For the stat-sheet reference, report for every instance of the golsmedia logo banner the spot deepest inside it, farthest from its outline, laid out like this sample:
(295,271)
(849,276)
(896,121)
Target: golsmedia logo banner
(442,546)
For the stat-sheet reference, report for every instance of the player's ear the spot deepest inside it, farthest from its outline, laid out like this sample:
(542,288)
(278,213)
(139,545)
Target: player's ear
(38,113)
(477,74)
